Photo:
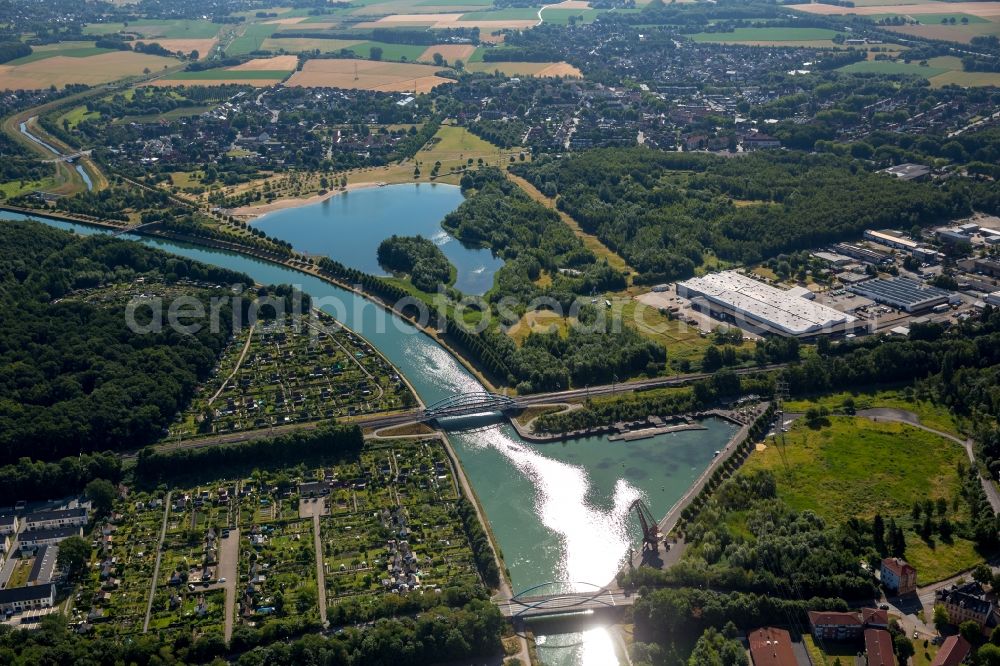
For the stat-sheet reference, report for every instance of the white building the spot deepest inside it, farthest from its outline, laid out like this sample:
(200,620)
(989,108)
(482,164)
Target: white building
(29,541)
(57,518)
(748,301)
(20,599)
(9,524)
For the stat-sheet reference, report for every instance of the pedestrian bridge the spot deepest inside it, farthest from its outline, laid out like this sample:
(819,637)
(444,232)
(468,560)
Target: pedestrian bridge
(556,598)
(464,404)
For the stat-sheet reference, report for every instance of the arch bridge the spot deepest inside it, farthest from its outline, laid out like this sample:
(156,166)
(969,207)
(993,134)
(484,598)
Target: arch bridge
(464,404)
(533,602)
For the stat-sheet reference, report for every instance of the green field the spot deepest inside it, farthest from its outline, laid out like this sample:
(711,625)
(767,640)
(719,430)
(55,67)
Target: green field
(935,19)
(766,35)
(930,414)
(408,52)
(229,75)
(891,67)
(70,51)
(251,39)
(855,468)
(511,14)
(562,16)
(453,3)
(168,29)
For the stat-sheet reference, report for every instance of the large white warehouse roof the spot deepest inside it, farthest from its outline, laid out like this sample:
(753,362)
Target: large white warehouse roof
(784,311)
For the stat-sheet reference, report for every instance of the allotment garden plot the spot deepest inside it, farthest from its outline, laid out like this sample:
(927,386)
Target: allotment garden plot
(273,375)
(390,528)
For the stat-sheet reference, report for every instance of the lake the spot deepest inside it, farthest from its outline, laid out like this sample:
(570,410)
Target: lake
(348,228)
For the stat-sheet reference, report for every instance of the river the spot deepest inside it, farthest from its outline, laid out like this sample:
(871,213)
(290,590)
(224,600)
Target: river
(348,228)
(558,511)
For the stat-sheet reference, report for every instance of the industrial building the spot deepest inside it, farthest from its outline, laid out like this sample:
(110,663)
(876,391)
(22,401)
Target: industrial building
(891,239)
(864,254)
(762,307)
(902,293)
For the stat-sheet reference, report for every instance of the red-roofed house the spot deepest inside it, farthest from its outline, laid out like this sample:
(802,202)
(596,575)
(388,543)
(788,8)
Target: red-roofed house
(878,648)
(875,617)
(835,626)
(953,652)
(898,575)
(771,647)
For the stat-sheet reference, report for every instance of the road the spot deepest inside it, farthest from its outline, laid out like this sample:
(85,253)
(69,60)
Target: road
(229,558)
(156,567)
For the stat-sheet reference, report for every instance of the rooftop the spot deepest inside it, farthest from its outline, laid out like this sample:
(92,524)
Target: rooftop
(56,514)
(908,171)
(953,651)
(878,647)
(787,311)
(902,292)
(29,593)
(772,647)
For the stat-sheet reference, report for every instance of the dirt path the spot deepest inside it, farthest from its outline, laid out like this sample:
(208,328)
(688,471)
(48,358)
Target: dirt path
(320,573)
(156,567)
(239,363)
(229,557)
(591,242)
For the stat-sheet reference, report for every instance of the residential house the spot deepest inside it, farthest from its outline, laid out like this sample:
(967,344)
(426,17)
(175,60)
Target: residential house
(968,602)
(9,524)
(878,648)
(953,652)
(57,518)
(19,599)
(845,625)
(31,541)
(770,646)
(898,576)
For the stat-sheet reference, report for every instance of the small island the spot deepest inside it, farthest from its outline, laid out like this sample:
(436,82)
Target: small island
(419,258)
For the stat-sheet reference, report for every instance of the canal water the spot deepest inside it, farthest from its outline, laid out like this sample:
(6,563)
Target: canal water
(348,227)
(23,127)
(558,511)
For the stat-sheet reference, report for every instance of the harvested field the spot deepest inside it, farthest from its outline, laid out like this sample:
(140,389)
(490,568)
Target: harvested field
(277,63)
(298,45)
(450,52)
(370,75)
(286,21)
(92,70)
(570,4)
(185,46)
(952,33)
(441,21)
(982,9)
(540,69)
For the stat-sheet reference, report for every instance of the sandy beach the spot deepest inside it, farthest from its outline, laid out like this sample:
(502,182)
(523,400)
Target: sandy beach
(248,213)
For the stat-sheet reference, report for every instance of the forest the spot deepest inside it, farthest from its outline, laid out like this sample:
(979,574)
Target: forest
(418,257)
(74,379)
(665,212)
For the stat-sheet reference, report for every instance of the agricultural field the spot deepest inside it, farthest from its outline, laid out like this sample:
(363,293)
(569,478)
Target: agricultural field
(367,75)
(770,36)
(939,71)
(539,69)
(272,375)
(854,468)
(255,72)
(91,68)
